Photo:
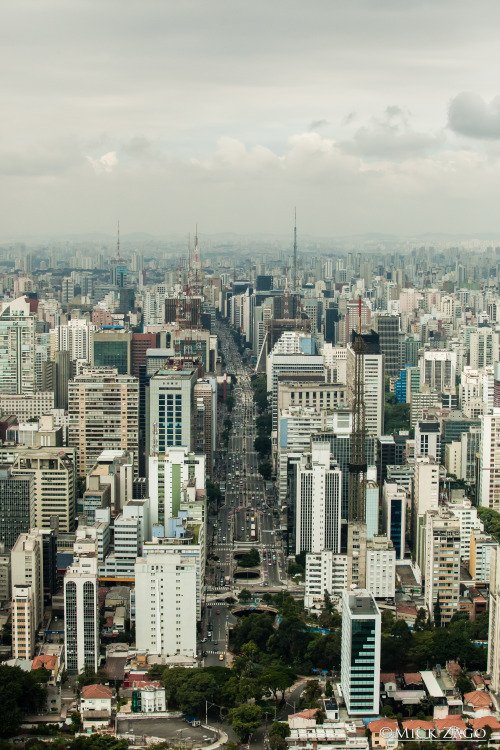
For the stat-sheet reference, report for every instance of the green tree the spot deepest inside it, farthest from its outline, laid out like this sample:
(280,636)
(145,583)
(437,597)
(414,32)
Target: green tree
(245,595)
(277,678)
(266,470)
(21,693)
(245,720)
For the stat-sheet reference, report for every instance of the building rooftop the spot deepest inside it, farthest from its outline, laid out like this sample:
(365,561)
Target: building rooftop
(362,603)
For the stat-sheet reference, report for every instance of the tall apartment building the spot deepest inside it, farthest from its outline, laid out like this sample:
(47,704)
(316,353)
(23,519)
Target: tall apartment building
(373,381)
(103,411)
(494,623)
(74,337)
(438,369)
(53,471)
(169,410)
(481,552)
(425,497)
(26,559)
(469,521)
(205,418)
(380,567)
(489,461)
(81,614)
(17,505)
(293,355)
(428,439)
(165,600)
(168,474)
(318,502)
(442,564)
(23,622)
(360,653)
(325,571)
(484,347)
(17,347)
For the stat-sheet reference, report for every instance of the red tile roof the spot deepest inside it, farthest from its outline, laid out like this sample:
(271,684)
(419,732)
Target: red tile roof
(478,699)
(307,713)
(96,691)
(378,724)
(417,724)
(450,722)
(48,661)
(485,721)
(413,678)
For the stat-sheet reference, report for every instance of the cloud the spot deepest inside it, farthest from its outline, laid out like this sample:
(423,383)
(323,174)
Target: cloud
(106,163)
(392,137)
(318,124)
(470,115)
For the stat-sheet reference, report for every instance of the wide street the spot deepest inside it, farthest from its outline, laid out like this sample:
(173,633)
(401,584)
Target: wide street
(247,517)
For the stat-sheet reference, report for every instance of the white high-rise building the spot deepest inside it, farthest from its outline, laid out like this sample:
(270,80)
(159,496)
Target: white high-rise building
(438,369)
(325,571)
(442,564)
(75,337)
(26,560)
(17,347)
(318,502)
(489,466)
(425,497)
(169,410)
(168,474)
(469,521)
(494,626)
(165,601)
(484,347)
(380,567)
(360,653)
(81,612)
(428,439)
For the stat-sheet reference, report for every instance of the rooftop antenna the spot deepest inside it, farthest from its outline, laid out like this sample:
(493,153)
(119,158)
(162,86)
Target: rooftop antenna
(294,271)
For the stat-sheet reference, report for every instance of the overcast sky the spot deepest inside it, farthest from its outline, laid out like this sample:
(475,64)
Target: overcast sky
(369,115)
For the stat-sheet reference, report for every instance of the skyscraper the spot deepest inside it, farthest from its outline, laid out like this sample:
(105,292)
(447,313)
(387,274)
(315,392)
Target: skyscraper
(205,416)
(165,586)
(360,653)
(387,327)
(17,505)
(318,502)
(17,347)
(103,414)
(169,410)
(81,614)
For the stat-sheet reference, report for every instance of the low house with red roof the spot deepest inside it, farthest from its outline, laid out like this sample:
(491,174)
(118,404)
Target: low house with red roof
(303,719)
(96,703)
(478,703)
(413,680)
(417,729)
(485,723)
(384,733)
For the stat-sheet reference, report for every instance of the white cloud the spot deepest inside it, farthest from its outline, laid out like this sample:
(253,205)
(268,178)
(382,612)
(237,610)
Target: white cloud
(106,163)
